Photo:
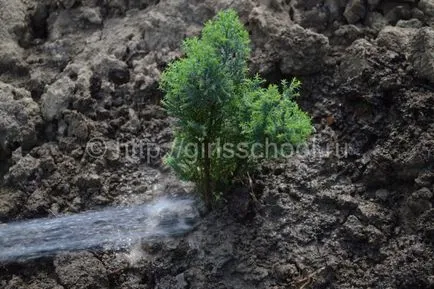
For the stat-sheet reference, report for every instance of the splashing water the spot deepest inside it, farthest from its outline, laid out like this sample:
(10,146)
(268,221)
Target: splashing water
(113,228)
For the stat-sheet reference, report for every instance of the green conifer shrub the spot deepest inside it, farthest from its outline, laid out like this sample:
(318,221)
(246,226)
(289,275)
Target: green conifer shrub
(223,116)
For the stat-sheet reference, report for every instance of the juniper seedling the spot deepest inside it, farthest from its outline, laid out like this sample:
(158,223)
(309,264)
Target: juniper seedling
(221,113)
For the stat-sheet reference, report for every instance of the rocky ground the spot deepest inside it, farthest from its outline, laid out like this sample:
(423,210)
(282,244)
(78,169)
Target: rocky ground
(74,73)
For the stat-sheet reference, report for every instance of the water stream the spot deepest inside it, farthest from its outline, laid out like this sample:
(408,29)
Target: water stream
(112,228)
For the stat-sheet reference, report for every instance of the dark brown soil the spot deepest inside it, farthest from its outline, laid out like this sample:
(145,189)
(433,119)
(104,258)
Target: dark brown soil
(354,211)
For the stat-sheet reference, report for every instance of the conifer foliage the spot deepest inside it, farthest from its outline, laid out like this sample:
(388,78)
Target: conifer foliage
(223,116)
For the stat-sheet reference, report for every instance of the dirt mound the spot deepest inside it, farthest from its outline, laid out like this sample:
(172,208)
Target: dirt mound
(82,128)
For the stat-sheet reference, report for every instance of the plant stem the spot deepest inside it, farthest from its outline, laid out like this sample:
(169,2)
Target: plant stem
(207,172)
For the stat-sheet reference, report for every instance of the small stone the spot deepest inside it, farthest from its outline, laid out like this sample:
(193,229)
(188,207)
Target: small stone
(382,194)
(55,209)
(375,237)
(349,33)
(180,281)
(285,272)
(91,15)
(371,212)
(17,155)
(418,14)
(353,229)
(10,202)
(375,20)
(412,23)
(259,273)
(397,13)
(77,125)
(86,181)
(19,119)
(396,38)
(38,202)
(23,170)
(355,11)
(421,53)
(427,7)
(419,201)
(57,98)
